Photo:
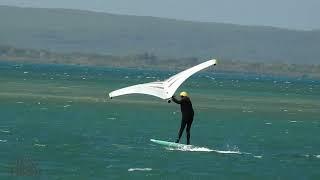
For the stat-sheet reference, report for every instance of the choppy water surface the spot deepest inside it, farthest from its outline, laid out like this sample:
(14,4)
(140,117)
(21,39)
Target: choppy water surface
(57,123)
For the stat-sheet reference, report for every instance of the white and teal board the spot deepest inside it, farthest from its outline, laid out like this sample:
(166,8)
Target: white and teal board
(168,144)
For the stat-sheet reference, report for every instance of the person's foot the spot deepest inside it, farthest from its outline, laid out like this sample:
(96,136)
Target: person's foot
(177,141)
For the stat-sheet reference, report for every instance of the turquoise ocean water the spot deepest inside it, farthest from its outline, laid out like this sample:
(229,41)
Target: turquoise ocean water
(57,122)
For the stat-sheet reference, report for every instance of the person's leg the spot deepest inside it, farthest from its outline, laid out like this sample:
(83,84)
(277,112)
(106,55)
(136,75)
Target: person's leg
(183,125)
(189,123)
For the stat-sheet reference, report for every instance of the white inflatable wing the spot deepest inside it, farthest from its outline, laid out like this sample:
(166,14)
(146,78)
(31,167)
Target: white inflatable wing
(173,83)
(152,88)
(163,89)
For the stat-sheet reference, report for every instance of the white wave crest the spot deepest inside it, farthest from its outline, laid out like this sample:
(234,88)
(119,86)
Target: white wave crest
(40,145)
(4,131)
(139,169)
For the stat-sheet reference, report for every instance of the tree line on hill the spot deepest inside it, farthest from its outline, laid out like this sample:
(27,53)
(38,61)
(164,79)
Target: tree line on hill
(152,61)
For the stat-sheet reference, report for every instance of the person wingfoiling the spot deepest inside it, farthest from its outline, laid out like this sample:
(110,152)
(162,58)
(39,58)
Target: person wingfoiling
(187,114)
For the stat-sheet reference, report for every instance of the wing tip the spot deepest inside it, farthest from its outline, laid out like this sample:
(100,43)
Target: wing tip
(110,95)
(214,61)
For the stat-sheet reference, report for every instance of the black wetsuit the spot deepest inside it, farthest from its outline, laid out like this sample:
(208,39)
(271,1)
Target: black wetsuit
(187,116)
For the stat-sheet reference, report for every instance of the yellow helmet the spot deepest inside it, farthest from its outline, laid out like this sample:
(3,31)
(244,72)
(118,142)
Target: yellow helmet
(183,93)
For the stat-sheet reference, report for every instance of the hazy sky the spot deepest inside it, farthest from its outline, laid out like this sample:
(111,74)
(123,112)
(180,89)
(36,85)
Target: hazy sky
(292,14)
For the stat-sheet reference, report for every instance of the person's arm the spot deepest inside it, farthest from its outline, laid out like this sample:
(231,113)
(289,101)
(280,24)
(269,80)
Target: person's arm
(174,99)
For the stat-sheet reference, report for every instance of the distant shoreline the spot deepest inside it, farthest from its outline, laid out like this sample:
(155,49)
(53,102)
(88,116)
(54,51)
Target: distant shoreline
(151,61)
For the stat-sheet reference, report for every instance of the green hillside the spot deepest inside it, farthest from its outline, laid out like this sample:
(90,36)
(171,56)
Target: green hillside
(62,30)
